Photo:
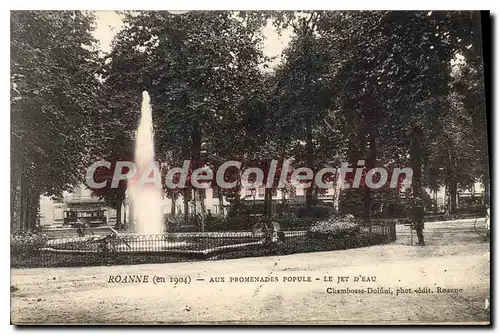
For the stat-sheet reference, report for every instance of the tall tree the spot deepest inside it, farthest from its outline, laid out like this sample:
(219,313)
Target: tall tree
(199,68)
(54,67)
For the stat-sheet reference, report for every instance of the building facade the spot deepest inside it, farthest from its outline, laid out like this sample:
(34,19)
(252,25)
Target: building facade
(81,200)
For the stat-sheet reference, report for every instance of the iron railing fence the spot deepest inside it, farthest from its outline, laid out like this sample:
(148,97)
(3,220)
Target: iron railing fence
(129,248)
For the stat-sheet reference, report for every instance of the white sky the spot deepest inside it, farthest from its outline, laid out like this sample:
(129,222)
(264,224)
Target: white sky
(109,23)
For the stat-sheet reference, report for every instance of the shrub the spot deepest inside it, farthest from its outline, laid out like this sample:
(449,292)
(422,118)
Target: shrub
(239,223)
(290,221)
(230,223)
(333,227)
(27,241)
(305,245)
(177,224)
(317,211)
(215,223)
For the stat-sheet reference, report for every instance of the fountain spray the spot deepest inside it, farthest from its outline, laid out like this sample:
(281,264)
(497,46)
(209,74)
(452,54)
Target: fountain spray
(146,199)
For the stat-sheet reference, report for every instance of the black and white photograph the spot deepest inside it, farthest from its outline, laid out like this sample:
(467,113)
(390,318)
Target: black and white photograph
(249,167)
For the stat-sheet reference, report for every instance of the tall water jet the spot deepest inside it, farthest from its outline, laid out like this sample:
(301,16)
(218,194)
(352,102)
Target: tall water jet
(146,198)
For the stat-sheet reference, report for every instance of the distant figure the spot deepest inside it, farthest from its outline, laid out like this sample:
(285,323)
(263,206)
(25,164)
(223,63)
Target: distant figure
(272,232)
(261,226)
(171,225)
(418,219)
(82,225)
(119,225)
(278,234)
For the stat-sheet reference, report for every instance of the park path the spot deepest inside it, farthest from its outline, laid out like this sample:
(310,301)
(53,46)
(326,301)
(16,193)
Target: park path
(454,257)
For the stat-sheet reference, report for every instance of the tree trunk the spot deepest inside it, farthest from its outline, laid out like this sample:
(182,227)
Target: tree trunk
(27,210)
(34,206)
(453,196)
(15,201)
(486,184)
(335,198)
(118,208)
(195,158)
(221,201)
(268,192)
(370,163)
(436,207)
(201,200)
(14,198)
(416,164)
(236,192)
(30,204)
(310,160)
(268,198)
(131,216)
(24,203)
(186,204)
(172,210)
(193,196)
(21,204)
(356,149)
(452,179)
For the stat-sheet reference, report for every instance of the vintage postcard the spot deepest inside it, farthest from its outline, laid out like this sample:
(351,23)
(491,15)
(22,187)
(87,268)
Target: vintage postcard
(249,167)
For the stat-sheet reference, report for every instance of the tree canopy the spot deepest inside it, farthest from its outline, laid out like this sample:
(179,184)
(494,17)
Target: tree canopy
(351,86)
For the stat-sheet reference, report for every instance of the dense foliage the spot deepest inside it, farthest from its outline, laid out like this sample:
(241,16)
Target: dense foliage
(351,86)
